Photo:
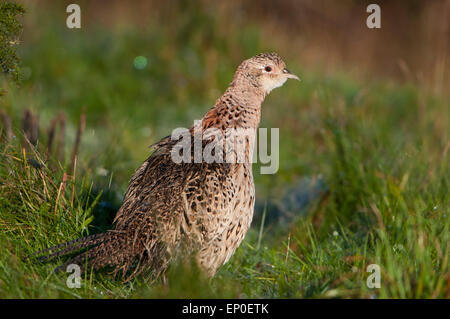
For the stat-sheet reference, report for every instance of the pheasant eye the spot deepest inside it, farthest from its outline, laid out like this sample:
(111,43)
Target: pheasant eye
(268,68)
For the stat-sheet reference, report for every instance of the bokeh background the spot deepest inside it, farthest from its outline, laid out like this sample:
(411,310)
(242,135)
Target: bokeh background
(363,138)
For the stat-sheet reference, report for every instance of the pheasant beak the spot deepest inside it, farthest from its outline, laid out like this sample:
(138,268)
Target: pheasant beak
(290,75)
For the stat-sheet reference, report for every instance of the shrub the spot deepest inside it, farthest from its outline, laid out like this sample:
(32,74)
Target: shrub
(10,29)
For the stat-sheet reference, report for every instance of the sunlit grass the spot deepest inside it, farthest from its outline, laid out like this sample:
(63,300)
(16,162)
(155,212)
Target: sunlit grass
(381,148)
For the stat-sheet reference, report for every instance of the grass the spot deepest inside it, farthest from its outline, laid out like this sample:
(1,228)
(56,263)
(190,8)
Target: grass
(381,148)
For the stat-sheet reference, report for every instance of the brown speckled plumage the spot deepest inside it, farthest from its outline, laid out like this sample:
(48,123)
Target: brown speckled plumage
(203,208)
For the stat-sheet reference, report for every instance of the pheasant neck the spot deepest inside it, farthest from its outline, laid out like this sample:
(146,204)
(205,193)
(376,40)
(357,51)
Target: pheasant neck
(241,107)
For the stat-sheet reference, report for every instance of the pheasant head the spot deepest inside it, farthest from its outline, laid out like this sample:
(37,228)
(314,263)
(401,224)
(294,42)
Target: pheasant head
(263,72)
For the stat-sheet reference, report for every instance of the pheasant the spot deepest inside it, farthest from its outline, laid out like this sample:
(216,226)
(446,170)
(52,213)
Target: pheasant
(201,208)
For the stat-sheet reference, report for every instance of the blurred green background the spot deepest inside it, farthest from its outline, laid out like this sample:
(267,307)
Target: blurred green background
(364,138)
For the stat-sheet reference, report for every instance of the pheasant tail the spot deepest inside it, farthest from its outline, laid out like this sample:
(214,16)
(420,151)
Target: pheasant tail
(106,249)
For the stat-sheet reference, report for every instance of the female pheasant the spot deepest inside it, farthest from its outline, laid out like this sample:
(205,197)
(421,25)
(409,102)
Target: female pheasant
(199,207)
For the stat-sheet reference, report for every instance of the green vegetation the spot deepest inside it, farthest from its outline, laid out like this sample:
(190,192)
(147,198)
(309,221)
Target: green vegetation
(381,148)
(10,29)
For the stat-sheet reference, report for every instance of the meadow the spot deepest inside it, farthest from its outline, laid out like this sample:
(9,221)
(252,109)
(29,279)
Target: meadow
(363,173)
